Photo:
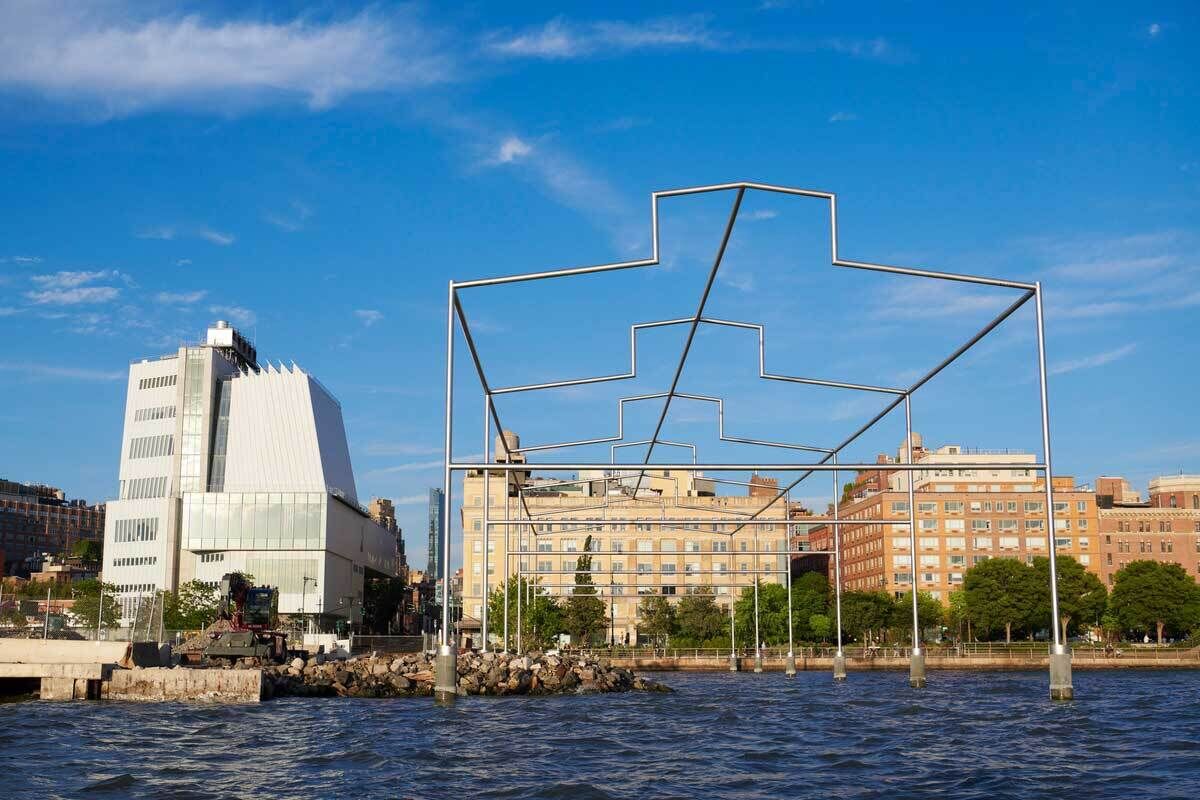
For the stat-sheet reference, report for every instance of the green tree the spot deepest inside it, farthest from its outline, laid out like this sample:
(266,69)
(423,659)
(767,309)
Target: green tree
(1001,595)
(382,598)
(772,614)
(1152,596)
(656,617)
(584,616)
(865,614)
(930,613)
(541,617)
(821,626)
(1082,598)
(87,550)
(193,607)
(958,616)
(699,619)
(810,596)
(89,610)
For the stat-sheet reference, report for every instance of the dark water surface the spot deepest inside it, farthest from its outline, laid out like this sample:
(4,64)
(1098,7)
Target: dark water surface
(1131,734)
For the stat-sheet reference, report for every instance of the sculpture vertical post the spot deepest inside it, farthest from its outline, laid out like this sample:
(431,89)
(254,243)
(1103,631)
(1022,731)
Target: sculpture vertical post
(487,501)
(1061,687)
(839,659)
(445,688)
(789,667)
(916,664)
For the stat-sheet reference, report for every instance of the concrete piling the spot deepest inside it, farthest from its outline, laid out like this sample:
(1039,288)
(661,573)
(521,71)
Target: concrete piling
(445,687)
(1061,687)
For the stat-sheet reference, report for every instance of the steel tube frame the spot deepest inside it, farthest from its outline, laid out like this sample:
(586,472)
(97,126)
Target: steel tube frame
(1030,290)
(912,525)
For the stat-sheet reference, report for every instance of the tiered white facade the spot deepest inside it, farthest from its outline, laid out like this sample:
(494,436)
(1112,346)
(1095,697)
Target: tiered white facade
(225,467)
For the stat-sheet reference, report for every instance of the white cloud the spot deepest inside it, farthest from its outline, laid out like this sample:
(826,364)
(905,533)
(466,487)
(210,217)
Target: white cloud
(21,260)
(511,149)
(560,39)
(180,298)
(76,296)
(8,311)
(401,449)
(740,280)
(411,500)
(124,59)
(235,314)
(1155,29)
(51,371)
(183,262)
(843,116)
(1089,362)
(369,316)
(163,232)
(67,279)
(216,237)
(761,214)
(291,219)
(925,299)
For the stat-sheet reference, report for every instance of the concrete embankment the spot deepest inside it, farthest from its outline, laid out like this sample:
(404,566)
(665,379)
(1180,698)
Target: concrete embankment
(993,662)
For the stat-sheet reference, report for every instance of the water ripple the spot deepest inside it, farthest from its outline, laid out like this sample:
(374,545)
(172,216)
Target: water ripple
(1130,734)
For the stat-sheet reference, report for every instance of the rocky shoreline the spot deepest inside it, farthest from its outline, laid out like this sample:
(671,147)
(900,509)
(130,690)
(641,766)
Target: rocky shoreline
(412,675)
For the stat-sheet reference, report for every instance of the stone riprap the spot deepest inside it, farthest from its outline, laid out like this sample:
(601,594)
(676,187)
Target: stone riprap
(478,673)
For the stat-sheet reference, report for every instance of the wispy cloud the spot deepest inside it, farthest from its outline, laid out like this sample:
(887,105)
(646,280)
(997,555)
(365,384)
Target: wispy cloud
(843,116)
(401,449)
(216,237)
(235,314)
(291,219)
(42,371)
(124,61)
(560,39)
(8,311)
(924,299)
(164,232)
(70,288)
(417,466)
(1092,361)
(762,214)
(1154,29)
(368,316)
(180,298)
(183,262)
(511,149)
(411,500)
(21,260)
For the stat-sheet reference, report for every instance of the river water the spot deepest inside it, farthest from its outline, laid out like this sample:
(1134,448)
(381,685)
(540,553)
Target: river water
(1130,734)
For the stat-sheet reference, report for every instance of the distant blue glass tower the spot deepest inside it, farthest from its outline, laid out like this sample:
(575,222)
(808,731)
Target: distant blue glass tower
(437,507)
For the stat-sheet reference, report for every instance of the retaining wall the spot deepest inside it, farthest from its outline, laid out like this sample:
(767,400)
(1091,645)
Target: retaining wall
(225,685)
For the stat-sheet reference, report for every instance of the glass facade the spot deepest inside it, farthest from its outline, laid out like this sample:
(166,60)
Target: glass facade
(216,475)
(254,521)
(191,470)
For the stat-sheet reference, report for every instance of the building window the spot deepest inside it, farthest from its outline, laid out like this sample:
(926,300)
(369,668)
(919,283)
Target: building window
(151,446)
(983,543)
(1166,546)
(1164,526)
(144,529)
(157,382)
(1033,508)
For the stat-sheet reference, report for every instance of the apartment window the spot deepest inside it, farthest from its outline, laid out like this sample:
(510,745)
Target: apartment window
(135,561)
(952,507)
(570,545)
(667,545)
(742,545)
(976,506)
(981,524)
(645,546)
(691,568)
(929,524)
(978,560)
(1166,546)
(545,547)
(618,546)
(209,558)
(1164,526)
(929,577)
(143,488)
(1034,508)
(1035,524)
(668,569)
(926,508)
(569,564)
(955,525)
(1009,543)
(901,577)
(720,547)
(1060,508)
(983,543)
(477,569)
(900,542)
(477,525)
(955,577)
(900,507)
(745,567)
(1084,559)
(691,547)
(929,543)
(1083,542)
(931,561)
(1081,506)
(1108,559)
(1062,524)
(1007,524)
(1082,524)
(956,561)
(644,568)
(956,542)
(618,566)
(1062,541)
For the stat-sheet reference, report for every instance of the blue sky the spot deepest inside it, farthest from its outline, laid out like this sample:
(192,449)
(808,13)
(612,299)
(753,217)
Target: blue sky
(317,173)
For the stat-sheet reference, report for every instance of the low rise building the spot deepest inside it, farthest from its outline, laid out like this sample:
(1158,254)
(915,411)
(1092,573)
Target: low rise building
(1165,528)
(38,522)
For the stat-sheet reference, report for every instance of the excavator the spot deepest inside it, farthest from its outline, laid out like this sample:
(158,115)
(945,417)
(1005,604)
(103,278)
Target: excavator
(247,610)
